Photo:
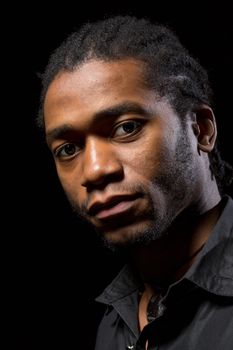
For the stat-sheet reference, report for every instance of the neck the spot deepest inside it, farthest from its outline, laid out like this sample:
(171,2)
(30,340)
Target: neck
(166,260)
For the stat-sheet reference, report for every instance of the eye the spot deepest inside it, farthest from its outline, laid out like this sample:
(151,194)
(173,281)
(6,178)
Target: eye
(127,128)
(66,151)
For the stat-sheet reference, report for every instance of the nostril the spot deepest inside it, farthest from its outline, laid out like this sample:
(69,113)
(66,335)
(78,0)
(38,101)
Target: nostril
(103,181)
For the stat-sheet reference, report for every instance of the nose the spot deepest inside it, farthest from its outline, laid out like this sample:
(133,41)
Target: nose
(100,164)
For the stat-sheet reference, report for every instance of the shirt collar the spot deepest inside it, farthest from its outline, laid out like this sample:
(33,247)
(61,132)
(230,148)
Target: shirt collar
(125,283)
(212,271)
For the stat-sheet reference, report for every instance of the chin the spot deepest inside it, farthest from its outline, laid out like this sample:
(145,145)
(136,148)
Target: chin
(140,234)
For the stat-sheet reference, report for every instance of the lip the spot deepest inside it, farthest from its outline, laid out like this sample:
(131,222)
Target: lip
(112,206)
(117,209)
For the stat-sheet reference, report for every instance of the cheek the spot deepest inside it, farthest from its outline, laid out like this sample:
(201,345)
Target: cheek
(70,183)
(147,157)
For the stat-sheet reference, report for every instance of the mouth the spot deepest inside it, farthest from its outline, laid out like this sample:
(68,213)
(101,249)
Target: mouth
(113,207)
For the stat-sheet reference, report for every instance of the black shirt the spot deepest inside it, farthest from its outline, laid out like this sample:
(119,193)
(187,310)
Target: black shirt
(195,314)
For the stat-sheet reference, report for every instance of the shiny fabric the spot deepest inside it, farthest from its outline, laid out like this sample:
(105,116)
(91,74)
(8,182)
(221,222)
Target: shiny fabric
(195,314)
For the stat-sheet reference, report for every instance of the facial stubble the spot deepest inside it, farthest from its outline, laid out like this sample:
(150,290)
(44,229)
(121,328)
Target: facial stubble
(172,182)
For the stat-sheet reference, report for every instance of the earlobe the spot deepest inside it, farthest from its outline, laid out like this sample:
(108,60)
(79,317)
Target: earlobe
(205,129)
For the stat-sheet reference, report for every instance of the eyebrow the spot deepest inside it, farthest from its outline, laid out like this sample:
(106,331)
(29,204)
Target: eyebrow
(111,112)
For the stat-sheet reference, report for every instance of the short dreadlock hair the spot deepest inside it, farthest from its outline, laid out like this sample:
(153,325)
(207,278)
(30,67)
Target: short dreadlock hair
(169,68)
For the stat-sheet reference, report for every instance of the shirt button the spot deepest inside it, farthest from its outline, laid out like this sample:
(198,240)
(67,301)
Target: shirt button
(130,347)
(161,309)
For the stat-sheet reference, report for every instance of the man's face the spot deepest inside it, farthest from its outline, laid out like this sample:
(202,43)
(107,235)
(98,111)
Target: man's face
(122,156)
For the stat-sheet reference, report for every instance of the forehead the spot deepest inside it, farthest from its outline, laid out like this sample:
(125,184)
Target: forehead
(96,77)
(92,87)
(100,74)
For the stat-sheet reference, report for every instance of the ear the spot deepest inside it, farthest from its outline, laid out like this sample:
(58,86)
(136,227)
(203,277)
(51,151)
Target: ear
(205,128)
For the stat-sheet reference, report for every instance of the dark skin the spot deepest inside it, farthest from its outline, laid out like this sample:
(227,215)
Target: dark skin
(131,169)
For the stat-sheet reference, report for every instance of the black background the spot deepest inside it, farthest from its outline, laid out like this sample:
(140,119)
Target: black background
(56,265)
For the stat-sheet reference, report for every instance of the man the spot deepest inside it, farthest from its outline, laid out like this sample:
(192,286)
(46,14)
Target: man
(127,116)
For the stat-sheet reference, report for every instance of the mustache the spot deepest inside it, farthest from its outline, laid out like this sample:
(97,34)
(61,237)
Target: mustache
(112,189)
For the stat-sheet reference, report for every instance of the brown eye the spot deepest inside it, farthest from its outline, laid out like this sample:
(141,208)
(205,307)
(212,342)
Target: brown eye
(127,128)
(66,151)
(69,149)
